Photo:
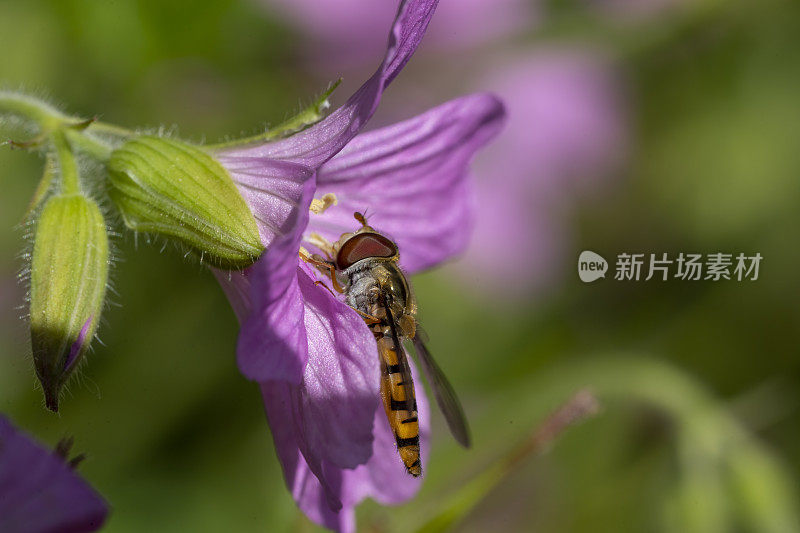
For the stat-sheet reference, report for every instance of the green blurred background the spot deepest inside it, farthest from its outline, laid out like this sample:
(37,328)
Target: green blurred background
(698,380)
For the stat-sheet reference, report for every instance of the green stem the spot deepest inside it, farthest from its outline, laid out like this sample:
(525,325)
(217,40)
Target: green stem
(70,183)
(93,147)
(46,116)
(110,129)
(62,128)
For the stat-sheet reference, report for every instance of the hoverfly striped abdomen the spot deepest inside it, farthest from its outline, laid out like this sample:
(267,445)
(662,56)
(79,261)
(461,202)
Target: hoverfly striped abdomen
(397,391)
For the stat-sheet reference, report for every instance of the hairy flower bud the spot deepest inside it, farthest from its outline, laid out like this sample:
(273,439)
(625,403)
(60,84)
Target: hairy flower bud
(69,272)
(175,189)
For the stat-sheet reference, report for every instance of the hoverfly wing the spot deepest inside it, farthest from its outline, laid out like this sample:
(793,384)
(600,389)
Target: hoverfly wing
(402,359)
(443,392)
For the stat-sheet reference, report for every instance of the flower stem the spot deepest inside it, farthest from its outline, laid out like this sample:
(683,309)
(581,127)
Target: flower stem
(111,129)
(95,148)
(46,116)
(70,183)
(66,131)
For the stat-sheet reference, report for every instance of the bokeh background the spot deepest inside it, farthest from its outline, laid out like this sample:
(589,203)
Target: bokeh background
(639,126)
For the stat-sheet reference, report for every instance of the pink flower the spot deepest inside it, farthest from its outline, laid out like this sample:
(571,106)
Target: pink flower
(314,356)
(39,491)
(566,134)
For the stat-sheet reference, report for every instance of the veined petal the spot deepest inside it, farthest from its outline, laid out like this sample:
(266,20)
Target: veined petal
(39,492)
(316,488)
(303,476)
(341,380)
(272,189)
(411,178)
(272,342)
(329,414)
(318,143)
(236,286)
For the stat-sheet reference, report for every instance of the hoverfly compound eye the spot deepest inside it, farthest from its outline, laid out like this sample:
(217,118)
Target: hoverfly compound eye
(364,246)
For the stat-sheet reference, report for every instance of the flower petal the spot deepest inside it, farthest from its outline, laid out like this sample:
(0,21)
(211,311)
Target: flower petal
(272,189)
(411,178)
(236,286)
(382,478)
(39,492)
(315,145)
(272,342)
(329,413)
(341,378)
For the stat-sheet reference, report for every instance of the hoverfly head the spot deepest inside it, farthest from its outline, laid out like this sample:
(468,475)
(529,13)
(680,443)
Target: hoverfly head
(365,243)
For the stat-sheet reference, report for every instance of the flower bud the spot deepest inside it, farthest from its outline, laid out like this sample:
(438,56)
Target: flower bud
(69,271)
(175,189)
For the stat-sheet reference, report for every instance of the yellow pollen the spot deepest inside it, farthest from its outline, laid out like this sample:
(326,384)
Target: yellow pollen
(319,205)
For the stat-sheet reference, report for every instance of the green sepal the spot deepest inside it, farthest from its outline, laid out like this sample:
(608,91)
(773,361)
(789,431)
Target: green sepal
(69,273)
(43,188)
(172,188)
(308,116)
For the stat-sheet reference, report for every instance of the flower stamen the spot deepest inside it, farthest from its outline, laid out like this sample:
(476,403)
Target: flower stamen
(320,205)
(324,245)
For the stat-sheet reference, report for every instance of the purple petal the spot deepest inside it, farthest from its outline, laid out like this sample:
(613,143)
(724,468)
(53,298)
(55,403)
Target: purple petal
(341,378)
(78,345)
(382,477)
(330,412)
(411,179)
(272,342)
(39,492)
(272,189)
(320,142)
(236,286)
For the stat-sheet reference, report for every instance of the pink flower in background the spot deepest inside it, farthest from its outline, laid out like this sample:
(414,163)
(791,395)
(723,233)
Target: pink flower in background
(565,128)
(565,135)
(39,491)
(349,32)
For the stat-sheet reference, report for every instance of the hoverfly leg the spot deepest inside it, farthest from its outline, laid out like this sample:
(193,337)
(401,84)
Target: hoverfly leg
(322,284)
(369,319)
(325,266)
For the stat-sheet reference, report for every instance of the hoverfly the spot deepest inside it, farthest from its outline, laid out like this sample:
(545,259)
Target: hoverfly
(364,267)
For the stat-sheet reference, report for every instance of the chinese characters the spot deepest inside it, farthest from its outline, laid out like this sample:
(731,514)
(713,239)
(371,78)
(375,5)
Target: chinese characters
(690,267)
